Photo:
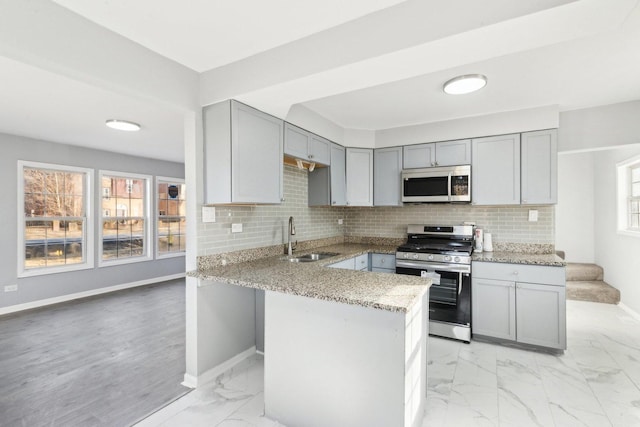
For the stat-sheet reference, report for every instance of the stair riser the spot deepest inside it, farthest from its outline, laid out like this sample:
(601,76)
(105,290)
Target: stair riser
(584,273)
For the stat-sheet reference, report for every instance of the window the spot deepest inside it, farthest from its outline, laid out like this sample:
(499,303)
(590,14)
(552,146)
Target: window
(54,219)
(629,197)
(125,221)
(171,230)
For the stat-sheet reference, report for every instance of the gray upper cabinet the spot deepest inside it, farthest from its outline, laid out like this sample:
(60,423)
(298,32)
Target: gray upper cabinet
(495,170)
(452,153)
(305,145)
(419,156)
(447,153)
(359,177)
(387,169)
(539,165)
(338,175)
(327,186)
(243,155)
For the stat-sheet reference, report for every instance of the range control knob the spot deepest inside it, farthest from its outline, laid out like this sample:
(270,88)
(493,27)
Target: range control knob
(457,259)
(447,258)
(430,256)
(415,256)
(406,255)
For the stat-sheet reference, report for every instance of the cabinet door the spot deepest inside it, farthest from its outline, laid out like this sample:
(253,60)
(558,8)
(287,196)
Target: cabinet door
(359,177)
(495,170)
(362,262)
(541,315)
(383,261)
(296,141)
(257,150)
(451,153)
(387,169)
(338,178)
(539,167)
(319,150)
(418,156)
(493,305)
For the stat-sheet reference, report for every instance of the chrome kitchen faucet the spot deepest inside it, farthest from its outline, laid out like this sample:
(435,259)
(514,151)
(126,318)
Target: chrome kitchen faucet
(292,231)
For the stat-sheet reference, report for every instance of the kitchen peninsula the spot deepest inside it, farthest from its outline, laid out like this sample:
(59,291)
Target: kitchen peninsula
(341,347)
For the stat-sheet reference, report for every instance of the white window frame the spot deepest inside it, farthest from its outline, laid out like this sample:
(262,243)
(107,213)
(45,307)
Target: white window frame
(623,172)
(167,180)
(148,241)
(88,232)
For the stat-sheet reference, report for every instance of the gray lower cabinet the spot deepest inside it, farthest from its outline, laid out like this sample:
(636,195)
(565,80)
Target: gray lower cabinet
(495,170)
(383,263)
(359,171)
(347,264)
(387,169)
(539,167)
(362,262)
(327,186)
(260,320)
(523,303)
(243,155)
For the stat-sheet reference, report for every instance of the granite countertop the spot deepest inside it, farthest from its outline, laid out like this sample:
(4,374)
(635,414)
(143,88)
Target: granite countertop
(551,260)
(390,292)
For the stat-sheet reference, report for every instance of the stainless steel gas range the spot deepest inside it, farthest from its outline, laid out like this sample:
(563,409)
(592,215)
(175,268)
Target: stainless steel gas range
(443,254)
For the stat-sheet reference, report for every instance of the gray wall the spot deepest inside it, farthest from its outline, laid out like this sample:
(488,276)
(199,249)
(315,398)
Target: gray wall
(36,288)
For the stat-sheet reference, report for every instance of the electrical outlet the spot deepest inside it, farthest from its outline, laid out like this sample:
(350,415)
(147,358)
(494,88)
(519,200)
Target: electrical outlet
(236,228)
(208,214)
(340,221)
(533,215)
(11,288)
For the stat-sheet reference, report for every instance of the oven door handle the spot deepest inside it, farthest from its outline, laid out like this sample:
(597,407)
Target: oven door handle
(455,268)
(459,282)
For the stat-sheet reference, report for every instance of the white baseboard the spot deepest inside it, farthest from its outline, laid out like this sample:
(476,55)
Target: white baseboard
(78,295)
(629,311)
(192,381)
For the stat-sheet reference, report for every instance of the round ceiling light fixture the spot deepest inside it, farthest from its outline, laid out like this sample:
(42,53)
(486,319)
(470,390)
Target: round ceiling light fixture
(123,125)
(465,84)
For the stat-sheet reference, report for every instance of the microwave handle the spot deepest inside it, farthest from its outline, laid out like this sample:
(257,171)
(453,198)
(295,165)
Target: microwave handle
(449,185)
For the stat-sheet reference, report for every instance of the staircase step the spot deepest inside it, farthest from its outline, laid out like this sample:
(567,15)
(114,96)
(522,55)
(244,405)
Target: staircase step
(583,272)
(592,290)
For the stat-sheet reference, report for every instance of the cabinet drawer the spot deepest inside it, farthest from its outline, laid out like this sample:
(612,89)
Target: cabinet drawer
(383,261)
(519,272)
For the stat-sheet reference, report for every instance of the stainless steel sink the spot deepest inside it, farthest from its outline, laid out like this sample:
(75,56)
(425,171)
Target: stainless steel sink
(312,257)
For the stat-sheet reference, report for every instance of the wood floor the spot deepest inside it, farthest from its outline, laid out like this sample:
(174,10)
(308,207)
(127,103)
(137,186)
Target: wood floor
(108,360)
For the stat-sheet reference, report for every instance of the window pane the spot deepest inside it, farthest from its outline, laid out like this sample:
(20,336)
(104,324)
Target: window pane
(635,221)
(635,189)
(109,239)
(33,181)
(33,204)
(36,243)
(635,174)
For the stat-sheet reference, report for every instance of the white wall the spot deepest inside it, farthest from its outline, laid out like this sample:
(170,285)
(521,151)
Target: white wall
(619,255)
(575,208)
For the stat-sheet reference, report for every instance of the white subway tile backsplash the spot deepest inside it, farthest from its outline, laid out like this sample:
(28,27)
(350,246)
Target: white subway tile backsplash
(267,225)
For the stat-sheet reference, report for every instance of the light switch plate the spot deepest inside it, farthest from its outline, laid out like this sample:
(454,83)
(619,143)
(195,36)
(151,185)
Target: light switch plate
(208,214)
(533,215)
(236,228)
(10,288)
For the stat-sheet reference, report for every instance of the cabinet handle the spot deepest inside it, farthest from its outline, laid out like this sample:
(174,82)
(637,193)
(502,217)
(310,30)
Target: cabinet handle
(311,156)
(282,199)
(333,203)
(515,273)
(432,164)
(382,261)
(436,163)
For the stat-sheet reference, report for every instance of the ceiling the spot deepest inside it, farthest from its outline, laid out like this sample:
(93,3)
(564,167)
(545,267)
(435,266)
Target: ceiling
(361,64)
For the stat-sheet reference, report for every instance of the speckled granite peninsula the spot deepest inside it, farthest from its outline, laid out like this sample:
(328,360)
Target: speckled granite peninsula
(318,325)
(313,279)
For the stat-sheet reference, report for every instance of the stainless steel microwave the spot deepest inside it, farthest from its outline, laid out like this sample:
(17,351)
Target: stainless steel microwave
(440,184)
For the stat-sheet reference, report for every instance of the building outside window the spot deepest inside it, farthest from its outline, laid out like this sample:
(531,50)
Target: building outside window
(125,224)
(171,221)
(629,197)
(54,219)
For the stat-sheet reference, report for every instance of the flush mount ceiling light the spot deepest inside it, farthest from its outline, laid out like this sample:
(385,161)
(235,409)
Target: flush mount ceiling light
(123,125)
(465,84)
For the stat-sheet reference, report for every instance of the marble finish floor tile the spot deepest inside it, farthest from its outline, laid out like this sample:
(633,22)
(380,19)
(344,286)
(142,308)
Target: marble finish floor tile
(595,383)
